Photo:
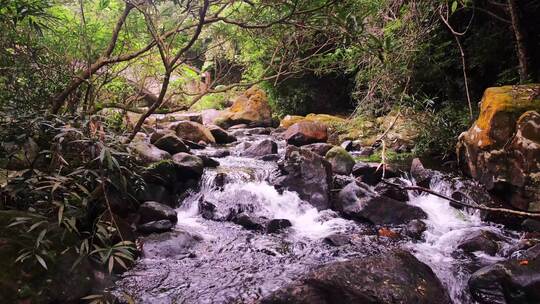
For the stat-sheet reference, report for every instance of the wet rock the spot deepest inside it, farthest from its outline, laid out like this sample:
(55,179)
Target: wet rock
(191,164)
(347,145)
(306,132)
(173,244)
(421,175)
(220,180)
(156,192)
(318,148)
(340,181)
(195,145)
(358,201)
(276,225)
(261,148)
(270,157)
(154,211)
(221,136)
(209,162)
(171,143)
(341,161)
(148,153)
(250,222)
(502,148)
(480,240)
(214,153)
(392,278)
(238,127)
(415,229)
(250,108)
(511,281)
(371,173)
(306,173)
(155,227)
(391,191)
(193,131)
(260,131)
(337,239)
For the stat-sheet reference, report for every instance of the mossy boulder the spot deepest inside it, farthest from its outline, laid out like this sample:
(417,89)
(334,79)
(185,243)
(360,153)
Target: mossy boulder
(250,108)
(329,120)
(502,148)
(342,162)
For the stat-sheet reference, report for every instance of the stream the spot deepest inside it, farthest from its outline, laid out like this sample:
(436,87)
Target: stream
(212,261)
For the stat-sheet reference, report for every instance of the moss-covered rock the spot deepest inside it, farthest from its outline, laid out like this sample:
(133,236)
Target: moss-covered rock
(250,108)
(342,162)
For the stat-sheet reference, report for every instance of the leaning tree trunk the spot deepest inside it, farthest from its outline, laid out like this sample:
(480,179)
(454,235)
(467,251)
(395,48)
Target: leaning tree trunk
(521,44)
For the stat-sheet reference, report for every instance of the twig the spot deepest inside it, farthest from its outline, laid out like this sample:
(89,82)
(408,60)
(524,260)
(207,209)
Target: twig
(462,204)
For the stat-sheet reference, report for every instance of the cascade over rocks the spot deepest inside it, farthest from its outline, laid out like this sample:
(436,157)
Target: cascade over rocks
(512,281)
(392,278)
(358,201)
(306,173)
(250,108)
(502,148)
(306,132)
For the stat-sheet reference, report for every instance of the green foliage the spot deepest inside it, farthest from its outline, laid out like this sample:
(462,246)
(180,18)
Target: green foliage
(211,101)
(62,206)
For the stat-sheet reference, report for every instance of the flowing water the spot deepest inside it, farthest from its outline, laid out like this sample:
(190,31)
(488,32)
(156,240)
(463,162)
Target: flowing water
(221,262)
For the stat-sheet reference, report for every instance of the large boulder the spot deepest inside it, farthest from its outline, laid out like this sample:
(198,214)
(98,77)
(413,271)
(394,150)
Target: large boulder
(261,148)
(341,161)
(154,211)
(513,281)
(192,165)
(193,131)
(480,240)
(306,132)
(306,173)
(147,152)
(502,148)
(290,120)
(171,143)
(358,201)
(396,277)
(250,108)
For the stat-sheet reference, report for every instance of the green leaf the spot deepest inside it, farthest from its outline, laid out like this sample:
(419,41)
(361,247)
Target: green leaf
(454,6)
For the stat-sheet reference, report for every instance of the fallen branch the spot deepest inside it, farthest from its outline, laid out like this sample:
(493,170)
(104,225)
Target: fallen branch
(462,204)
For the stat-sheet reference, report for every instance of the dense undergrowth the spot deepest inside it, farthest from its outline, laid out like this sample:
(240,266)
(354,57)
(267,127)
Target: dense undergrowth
(59,210)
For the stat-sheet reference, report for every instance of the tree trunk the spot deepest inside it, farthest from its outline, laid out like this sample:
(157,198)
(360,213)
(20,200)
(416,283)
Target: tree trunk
(521,45)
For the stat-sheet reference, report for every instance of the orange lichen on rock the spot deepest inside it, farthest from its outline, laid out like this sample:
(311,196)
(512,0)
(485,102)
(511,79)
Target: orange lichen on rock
(500,109)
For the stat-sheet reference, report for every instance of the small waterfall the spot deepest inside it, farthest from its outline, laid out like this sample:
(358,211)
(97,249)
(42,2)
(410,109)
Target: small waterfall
(446,227)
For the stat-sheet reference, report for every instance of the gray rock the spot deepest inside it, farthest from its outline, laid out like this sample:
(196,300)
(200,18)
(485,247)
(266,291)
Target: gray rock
(306,173)
(261,148)
(480,240)
(421,175)
(171,143)
(337,239)
(154,211)
(415,229)
(511,281)
(277,225)
(221,136)
(390,191)
(370,173)
(358,201)
(155,227)
(341,161)
(318,148)
(396,277)
(191,164)
(175,244)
